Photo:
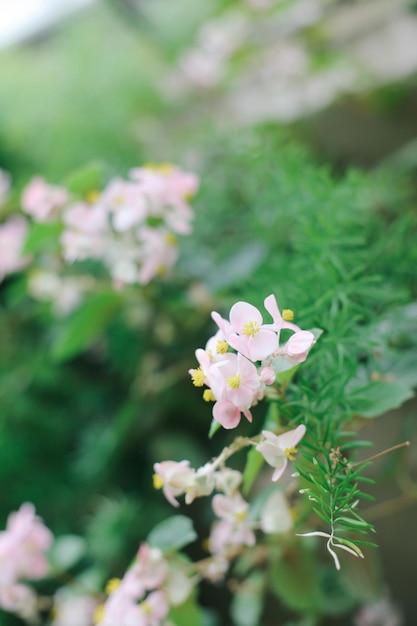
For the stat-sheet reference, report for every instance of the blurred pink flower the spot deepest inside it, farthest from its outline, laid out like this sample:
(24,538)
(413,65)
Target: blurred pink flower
(43,201)
(13,234)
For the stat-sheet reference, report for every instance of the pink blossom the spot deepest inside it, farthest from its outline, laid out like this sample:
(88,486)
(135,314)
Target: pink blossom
(234,528)
(70,609)
(126,203)
(174,478)
(158,251)
(43,201)
(246,333)
(278,449)
(236,385)
(167,189)
(13,234)
(19,599)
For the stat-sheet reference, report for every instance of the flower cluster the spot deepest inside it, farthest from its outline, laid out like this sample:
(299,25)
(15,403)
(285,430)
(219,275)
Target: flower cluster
(145,593)
(237,380)
(23,547)
(130,226)
(235,527)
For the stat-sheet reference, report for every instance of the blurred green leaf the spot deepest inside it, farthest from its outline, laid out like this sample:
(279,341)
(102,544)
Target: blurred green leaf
(66,551)
(247,602)
(293,578)
(254,462)
(85,325)
(42,237)
(87,179)
(173,533)
(379,397)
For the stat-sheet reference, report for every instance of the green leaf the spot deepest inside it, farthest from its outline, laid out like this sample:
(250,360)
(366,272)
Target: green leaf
(187,614)
(247,602)
(42,237)
(87,179)
(254,462)
(67,551)
(294,579)
(214,427)
(85,325)
(379,397)
(173,533)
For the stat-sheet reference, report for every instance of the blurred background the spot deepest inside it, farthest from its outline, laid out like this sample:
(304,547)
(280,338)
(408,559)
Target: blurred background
(123,82)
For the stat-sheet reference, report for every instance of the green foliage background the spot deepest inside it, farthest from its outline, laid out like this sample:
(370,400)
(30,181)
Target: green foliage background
(89,403)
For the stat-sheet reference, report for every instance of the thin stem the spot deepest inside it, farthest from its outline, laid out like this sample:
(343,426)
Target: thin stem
(405,444)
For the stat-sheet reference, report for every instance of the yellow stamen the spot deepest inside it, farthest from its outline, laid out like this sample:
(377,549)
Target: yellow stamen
(99,614)
(208,395)
(241,516)
(171,239)
(234,381)
(146,607)
(158,482)
(112,585)
(290,453)
(251,328)
(222,347)
(92,196)
(160,270)
(162,168)
(198,377)
(287,315)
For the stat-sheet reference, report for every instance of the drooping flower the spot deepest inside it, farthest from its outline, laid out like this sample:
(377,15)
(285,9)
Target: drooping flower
(234,528)
(174,478)
(277,450)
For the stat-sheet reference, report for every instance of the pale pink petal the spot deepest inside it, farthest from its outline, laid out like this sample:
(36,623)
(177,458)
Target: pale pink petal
(243,313)
(226,414)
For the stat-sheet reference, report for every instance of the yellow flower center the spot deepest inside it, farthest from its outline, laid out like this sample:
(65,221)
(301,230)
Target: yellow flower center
(158,482)
(234,381)
(99,614)
(241,516)
(198,377)
(146,607)
(290,453)
(287,315)
(208,396)
(161,168)
(222,347)
(171,239)
(251,328)
(112,585)
(92,196)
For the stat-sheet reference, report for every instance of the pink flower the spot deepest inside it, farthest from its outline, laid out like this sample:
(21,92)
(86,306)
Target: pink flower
(23,546)
(126,203)
(43,201)
(70,609)
(158,253)
(246,333)
(278,449)
(19,599)
(13,234)
(234,528)
(166,189)
(174,478)
(236,385)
